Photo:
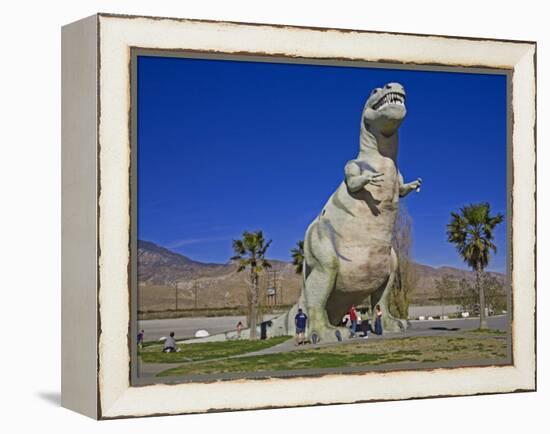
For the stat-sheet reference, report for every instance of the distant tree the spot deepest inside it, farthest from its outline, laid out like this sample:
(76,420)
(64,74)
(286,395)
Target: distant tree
(471,231)
(495,293)
(406,277)
(446,287)
(468,297)
(298,256)
(250,253)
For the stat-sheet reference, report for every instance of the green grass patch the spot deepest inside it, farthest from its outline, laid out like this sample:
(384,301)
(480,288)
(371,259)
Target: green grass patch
(491,332)
(206,351)
(294,360)
(356,354)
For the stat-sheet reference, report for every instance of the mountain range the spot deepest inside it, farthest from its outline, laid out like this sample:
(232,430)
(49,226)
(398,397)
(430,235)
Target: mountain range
(207,285)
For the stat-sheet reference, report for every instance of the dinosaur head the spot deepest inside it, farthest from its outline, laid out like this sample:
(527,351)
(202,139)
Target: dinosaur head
(385,108)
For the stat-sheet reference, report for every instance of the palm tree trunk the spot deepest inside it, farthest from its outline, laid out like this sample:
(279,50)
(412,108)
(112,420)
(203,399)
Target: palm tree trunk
(248,307)
(254,306)
(481,291)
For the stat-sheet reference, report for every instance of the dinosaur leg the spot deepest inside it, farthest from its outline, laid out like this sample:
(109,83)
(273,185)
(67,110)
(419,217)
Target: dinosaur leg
(381,297)
(318,287)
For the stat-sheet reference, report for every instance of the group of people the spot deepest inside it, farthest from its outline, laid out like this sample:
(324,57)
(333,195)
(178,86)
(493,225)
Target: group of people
(352,319)
(169,345)
(358,325)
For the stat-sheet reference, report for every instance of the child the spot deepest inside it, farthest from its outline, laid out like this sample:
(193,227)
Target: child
(140,336)
(239,329)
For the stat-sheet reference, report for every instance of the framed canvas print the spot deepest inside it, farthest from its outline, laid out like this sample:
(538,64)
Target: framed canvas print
(261,216)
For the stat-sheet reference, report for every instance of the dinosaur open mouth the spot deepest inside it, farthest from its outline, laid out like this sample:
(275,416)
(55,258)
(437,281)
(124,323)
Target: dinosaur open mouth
(390,98)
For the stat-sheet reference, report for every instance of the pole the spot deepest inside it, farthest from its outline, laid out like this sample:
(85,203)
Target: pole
(176,288)
(275,285)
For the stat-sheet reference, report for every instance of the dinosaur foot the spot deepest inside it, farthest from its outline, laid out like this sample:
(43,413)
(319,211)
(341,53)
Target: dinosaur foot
(326,334)
(392,324)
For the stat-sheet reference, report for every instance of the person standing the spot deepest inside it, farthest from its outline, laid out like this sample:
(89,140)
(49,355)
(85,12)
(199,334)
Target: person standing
(378,321)
(239,329)
(140,336)
(300,320)
(353,319)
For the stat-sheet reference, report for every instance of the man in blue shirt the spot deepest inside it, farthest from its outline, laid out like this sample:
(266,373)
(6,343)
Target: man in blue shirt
(300,321)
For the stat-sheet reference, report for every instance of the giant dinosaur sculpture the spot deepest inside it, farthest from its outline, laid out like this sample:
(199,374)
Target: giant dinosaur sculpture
(348,248)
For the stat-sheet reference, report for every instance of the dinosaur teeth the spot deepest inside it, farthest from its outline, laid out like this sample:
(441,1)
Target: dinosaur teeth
(390,98)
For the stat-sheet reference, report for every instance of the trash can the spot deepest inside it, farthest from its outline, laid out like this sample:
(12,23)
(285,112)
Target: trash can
(263,329)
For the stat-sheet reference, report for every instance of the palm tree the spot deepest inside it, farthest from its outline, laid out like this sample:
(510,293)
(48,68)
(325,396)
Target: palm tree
(471,230)
(298,256)
(250,253)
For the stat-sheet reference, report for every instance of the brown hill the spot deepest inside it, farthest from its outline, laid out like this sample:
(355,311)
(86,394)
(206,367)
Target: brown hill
(160,266)
(207,285)
(427,276)
(203,285)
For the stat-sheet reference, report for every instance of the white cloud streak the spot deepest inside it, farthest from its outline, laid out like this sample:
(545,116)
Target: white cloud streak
(188,241)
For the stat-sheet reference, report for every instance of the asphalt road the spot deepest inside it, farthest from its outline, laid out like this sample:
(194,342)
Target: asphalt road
(186,327)
(499,322)
(415,311)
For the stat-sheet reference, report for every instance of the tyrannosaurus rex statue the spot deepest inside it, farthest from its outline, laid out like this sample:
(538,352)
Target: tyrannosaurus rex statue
(348,247)
(349,256)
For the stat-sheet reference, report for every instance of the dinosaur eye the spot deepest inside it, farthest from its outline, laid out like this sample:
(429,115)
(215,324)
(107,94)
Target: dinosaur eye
(374,91)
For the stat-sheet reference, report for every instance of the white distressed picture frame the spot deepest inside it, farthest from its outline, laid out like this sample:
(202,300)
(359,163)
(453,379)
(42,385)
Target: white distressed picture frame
(96,214)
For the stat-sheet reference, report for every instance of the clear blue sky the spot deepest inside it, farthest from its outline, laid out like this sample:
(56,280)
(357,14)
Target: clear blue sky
(227,146)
